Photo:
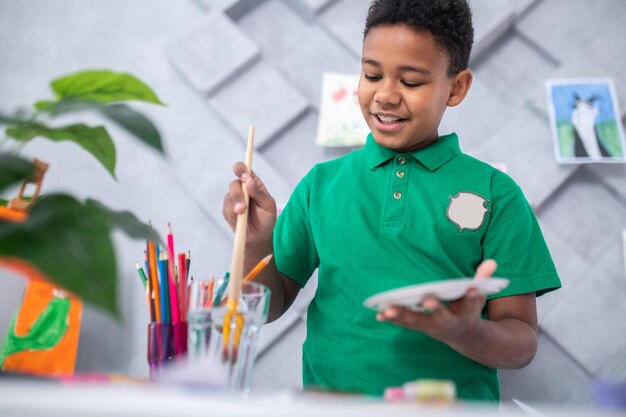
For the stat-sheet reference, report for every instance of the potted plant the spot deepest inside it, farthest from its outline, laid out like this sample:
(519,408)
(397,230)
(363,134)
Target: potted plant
(57,236)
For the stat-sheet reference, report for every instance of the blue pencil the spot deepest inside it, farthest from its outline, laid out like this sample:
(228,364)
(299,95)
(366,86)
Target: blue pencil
(163,288)
(146,263)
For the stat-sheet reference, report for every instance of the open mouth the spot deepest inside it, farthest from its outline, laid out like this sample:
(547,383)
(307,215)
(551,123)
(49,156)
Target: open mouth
(389,123)
(389,119)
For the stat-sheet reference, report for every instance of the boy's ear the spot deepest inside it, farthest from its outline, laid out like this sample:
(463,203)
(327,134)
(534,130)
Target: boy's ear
(461,83)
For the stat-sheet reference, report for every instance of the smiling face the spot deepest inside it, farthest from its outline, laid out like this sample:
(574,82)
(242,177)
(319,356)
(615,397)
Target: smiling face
(405,87)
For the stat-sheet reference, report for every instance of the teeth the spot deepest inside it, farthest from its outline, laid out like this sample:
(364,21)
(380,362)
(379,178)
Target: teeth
(388,119)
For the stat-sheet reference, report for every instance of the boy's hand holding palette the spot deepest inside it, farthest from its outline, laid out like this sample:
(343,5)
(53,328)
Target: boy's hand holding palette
(411,297)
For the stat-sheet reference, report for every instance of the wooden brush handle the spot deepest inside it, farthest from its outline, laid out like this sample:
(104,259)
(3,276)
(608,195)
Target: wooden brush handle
(236,266)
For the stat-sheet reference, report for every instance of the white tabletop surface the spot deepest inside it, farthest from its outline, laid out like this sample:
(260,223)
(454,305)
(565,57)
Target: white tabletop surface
(28,398)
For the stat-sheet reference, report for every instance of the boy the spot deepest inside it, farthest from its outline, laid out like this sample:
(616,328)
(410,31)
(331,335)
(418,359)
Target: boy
(407,208)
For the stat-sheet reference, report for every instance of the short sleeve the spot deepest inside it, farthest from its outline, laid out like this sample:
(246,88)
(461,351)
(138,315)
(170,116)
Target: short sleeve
(295,251)
(514,240)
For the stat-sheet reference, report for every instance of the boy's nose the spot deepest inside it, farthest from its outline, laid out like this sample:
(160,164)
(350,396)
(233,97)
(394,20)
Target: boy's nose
(386,95)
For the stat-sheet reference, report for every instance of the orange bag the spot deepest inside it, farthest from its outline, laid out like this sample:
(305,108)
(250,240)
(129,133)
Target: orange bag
(43,336)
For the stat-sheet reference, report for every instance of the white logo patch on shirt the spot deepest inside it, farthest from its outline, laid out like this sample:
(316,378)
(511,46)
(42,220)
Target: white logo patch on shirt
(467,210)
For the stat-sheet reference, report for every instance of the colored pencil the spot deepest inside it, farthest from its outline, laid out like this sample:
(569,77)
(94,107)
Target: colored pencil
(182,285)
(220,291)
(174,299)
(187,265)
(258,268)
(154,282)
(149,286)
(142,274)
(210,292)
(164,288)
(150,301)
(145,262)
(170,238)
(146,285)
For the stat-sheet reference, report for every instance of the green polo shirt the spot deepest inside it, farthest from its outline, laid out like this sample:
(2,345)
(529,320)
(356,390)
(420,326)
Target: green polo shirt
(376,220)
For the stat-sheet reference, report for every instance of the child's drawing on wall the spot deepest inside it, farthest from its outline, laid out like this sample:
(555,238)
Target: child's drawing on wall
(340,122)
(586,123)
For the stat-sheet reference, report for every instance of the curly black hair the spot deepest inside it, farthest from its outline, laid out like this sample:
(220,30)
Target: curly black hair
(450,22)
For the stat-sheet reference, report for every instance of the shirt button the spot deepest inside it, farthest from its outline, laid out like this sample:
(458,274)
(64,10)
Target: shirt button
(397,195)
(401,160)
(400,174)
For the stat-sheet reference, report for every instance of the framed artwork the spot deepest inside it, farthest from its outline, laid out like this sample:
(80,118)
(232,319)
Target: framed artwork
(340,122)
(585,121)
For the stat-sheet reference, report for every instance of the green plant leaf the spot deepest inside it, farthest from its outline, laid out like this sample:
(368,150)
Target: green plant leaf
(70,243)
(103,86)
(135,123)
(127,222)
(45,105)
(95,140)
(4,119)
(24,131)
(67,105)
(13,170)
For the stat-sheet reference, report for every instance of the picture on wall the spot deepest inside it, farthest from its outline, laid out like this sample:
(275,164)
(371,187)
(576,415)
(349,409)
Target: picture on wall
(585,121)
(340,120)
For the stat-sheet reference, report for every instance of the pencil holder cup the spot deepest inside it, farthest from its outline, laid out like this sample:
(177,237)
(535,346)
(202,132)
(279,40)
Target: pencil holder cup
(179,334)
(206,317)
(166,341)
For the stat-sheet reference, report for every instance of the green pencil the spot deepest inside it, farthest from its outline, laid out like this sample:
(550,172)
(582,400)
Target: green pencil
(220,291)
(141,273)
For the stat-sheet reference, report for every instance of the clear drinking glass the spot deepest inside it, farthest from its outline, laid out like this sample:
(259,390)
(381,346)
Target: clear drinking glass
(207,307)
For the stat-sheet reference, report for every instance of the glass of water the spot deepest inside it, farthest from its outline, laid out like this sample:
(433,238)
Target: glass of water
(207,307)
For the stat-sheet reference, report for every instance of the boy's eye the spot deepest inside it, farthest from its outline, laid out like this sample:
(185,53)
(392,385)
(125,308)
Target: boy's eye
(371,77)
(411,84)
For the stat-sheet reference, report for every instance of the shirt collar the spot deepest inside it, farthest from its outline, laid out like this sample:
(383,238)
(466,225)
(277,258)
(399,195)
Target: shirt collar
(432,156)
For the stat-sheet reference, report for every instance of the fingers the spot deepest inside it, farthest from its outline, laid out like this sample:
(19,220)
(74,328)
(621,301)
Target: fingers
(472,302)
(401,317)
(228,211)
(236,197)
(234,189)
(233,200)
(432,304)
(437,315)
(255,187)
(259,193)
(239,168)
(486,269)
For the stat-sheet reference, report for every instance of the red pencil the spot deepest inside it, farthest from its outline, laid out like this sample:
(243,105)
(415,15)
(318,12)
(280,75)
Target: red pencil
(182,286)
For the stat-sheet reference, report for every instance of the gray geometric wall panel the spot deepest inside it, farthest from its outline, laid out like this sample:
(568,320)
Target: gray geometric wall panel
(344,19)
(523,143)
(210,54)
(309,9)
(261,97)
(549,363)
(564,27)
(468,120)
